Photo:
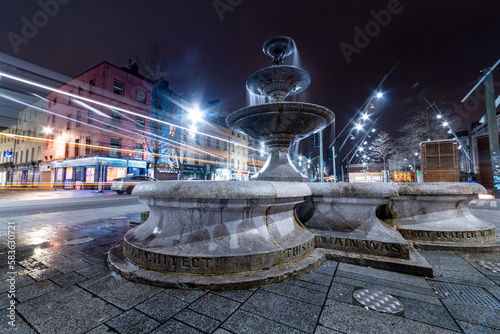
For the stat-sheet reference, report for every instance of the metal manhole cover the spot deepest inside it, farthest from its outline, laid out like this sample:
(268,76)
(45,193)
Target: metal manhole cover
(378,301)
(79,241)
(465,294)
(493,266)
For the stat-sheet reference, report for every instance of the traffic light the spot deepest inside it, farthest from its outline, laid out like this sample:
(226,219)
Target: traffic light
(315,140)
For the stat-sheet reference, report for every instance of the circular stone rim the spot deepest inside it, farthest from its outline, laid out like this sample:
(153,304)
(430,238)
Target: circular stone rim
(216,190)
(254,110)
(267,46)
(254,81)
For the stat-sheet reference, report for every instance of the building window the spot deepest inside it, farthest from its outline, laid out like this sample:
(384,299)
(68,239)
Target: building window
(116,117)
(77,147)
(118,87)
(225,146)
(209,141)
(89,117)
(196,158)
(78,118)
(80,90)
(139,147)
(92,87)
(68,123)
(217,143)
(53,119)
(114,143)
(141,96)
(88,142)
(197,139)
(139,123)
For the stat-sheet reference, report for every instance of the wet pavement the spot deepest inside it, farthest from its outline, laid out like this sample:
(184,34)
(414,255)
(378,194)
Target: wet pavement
(62,285)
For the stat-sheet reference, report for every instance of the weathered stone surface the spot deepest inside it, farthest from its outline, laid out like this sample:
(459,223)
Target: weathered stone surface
(343,217)
(437,213)
(215,228)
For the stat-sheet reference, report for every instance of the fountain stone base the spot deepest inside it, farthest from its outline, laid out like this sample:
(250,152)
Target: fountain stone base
(202,233)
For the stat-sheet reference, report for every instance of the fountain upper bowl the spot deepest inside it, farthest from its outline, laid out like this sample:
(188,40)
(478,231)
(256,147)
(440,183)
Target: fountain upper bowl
(295,120)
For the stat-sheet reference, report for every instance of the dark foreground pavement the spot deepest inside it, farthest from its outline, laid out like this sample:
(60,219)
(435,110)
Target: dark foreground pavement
(63,285)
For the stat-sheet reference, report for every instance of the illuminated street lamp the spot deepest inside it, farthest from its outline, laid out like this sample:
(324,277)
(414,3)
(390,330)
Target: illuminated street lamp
(47,130)
(379,95)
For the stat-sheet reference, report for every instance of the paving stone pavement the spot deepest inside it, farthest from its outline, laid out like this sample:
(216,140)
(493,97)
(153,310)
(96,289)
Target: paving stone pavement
(68,288)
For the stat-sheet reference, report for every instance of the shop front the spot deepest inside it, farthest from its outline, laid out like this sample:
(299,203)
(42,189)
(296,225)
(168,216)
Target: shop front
(240,175)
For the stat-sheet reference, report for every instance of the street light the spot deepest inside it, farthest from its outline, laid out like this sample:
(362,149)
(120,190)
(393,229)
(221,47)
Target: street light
(359,126)
(379,95)
(47,130)
(445,123)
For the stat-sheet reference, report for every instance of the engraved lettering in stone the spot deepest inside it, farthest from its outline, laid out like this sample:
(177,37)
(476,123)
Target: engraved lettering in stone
(195,262)
(338,241)
(420,233)
(185,262)
(396,248)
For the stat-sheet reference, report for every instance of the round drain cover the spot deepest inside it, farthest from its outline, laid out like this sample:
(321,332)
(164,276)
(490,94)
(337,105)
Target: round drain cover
(378,301)
(490,265)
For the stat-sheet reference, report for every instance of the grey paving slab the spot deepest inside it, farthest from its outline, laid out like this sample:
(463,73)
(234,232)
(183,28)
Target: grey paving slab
(21,280)
(424,290)
(19,325)
(341,292)
(462,276)
(469,328)
(32,263)
(175,327)
(474,314)
(35,290)
(73,266)
(244,322)
(43,274)
(284,310)
(317,278)
(133,321)
(93,272)
(162,306)
(102,329)
(81,311)
(355,319)
(188,296)
(68,279)
(325,330)
(221,331)
(386,289)
(308,285)
(237,295)
(118,291)
(383,274)
(432,314)
(327,268)
(215,306)
(296,292)
(197,320)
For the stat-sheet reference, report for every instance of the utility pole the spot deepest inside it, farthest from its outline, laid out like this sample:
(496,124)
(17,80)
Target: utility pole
(491,120)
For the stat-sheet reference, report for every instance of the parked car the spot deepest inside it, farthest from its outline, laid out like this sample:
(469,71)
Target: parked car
(127,183)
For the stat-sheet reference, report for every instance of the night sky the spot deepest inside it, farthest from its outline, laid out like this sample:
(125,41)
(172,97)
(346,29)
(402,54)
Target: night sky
(214,46)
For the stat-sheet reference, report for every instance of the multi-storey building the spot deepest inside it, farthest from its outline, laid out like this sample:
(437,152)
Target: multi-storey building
(28,153)
(97,127)
(7,147)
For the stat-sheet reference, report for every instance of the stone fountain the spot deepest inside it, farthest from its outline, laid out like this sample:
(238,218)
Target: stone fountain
(279,123)
(223,235)
(230,235)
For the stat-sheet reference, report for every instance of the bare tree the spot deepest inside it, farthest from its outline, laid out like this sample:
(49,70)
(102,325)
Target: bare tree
(382,146)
